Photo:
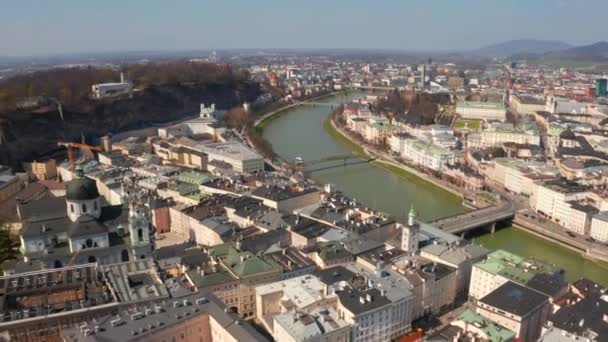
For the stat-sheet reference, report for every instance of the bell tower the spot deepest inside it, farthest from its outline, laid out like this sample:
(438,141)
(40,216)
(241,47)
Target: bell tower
(410,233)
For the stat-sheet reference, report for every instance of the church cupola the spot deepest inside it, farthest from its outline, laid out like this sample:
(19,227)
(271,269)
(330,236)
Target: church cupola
(82,197)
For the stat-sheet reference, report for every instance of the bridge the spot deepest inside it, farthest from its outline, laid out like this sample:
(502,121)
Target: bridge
(347,160)
(324,104)
(362,87)
(475,219)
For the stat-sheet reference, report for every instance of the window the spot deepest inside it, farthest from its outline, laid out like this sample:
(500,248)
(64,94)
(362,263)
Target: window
(72,207)
(140,235)
(84,208)
(89,243)
(95,206)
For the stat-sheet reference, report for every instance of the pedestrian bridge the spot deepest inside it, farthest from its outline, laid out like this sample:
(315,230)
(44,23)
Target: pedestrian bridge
(475,219)
(322,104)
(325,163)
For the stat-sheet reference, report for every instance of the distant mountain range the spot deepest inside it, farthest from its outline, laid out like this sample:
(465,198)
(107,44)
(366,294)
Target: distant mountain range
(521,47)
(546,50)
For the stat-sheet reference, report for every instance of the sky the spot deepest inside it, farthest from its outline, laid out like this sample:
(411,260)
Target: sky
(48,27)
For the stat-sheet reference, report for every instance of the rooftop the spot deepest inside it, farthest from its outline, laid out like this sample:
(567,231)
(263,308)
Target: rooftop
(493,331)
(515,299)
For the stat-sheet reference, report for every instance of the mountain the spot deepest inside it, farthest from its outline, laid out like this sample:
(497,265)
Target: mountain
(594,52)
(521,47)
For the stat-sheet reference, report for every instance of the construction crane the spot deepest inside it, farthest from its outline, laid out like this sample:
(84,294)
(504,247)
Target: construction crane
(65,269)
(71,146)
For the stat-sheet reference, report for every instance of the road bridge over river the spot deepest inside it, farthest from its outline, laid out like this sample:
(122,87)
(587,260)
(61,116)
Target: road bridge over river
(475,219)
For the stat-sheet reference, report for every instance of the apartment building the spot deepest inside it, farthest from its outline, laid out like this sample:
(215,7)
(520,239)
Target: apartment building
(378,306)
(482,110)
(461,257)
(299,309)
(252,271)
(497,134)
(599,227)
(560,200)
(527,104)
(501,267)
(517,308)
(425,154)
(518,176)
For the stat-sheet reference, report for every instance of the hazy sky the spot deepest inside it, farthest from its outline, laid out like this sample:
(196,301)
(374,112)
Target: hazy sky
(40,27)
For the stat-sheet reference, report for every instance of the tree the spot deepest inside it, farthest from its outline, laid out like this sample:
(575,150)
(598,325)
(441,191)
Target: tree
(237,118)
(8,248)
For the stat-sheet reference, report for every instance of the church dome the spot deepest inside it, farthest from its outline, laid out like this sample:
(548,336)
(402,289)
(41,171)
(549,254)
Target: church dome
(81,188)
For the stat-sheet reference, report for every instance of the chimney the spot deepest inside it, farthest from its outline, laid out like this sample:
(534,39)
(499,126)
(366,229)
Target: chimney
(106,143)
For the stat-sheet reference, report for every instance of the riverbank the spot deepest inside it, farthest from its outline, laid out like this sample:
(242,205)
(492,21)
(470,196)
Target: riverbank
(402,170)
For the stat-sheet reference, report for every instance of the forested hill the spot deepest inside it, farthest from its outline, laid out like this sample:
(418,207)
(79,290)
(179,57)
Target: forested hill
(162,92)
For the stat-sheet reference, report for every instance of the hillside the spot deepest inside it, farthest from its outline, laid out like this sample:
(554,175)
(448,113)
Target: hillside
(166,92)
(521,47)
(597,52)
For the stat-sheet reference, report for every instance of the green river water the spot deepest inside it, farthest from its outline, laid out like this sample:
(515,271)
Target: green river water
(299,132)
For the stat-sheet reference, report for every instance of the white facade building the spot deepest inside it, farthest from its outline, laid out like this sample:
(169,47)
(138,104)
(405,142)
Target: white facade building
(242,158)
(482,110)
(103,90)
(599,227)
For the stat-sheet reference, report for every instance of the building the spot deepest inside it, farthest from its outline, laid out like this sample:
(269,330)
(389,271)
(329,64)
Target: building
(481,328)
(497,134)
(425,154)
(455,82)
(518,176)
(299,309)
(557,200)
(42,170)
(501,267)
(196,317)
(556,105)
(599,227)
(79,229)
(461,257)
(287,198)
(36,305)
(252,271)
(517,308)
(601,87)
(103,90)
(378,306)
(482,110)
(583,313)
(239,156)
(10,184)
(526,104)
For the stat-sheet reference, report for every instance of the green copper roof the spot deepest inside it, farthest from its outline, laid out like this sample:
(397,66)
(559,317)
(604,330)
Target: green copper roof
(493,331)
(245,264)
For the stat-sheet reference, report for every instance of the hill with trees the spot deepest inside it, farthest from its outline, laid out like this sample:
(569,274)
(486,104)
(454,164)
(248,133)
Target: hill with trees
(31,125)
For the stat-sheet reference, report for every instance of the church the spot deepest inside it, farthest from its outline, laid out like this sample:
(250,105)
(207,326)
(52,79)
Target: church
(81,228)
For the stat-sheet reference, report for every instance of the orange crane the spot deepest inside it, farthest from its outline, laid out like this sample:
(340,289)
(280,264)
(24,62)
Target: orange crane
(70,263)
(72,145)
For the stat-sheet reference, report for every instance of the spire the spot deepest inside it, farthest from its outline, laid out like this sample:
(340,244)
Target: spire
(411,216)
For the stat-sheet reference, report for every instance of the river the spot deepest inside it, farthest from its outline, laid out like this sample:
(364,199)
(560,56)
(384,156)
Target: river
(299,132)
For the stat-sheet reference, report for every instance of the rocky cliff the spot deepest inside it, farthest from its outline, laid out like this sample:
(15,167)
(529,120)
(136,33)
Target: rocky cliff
(33,134)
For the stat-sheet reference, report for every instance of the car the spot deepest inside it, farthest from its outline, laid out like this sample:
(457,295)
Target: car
(570,234)
(590,239)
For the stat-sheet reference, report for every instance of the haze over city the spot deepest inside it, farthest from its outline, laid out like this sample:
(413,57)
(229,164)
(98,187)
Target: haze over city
(29,27)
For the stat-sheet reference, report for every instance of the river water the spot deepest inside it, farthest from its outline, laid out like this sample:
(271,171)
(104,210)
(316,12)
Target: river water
(299,132)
